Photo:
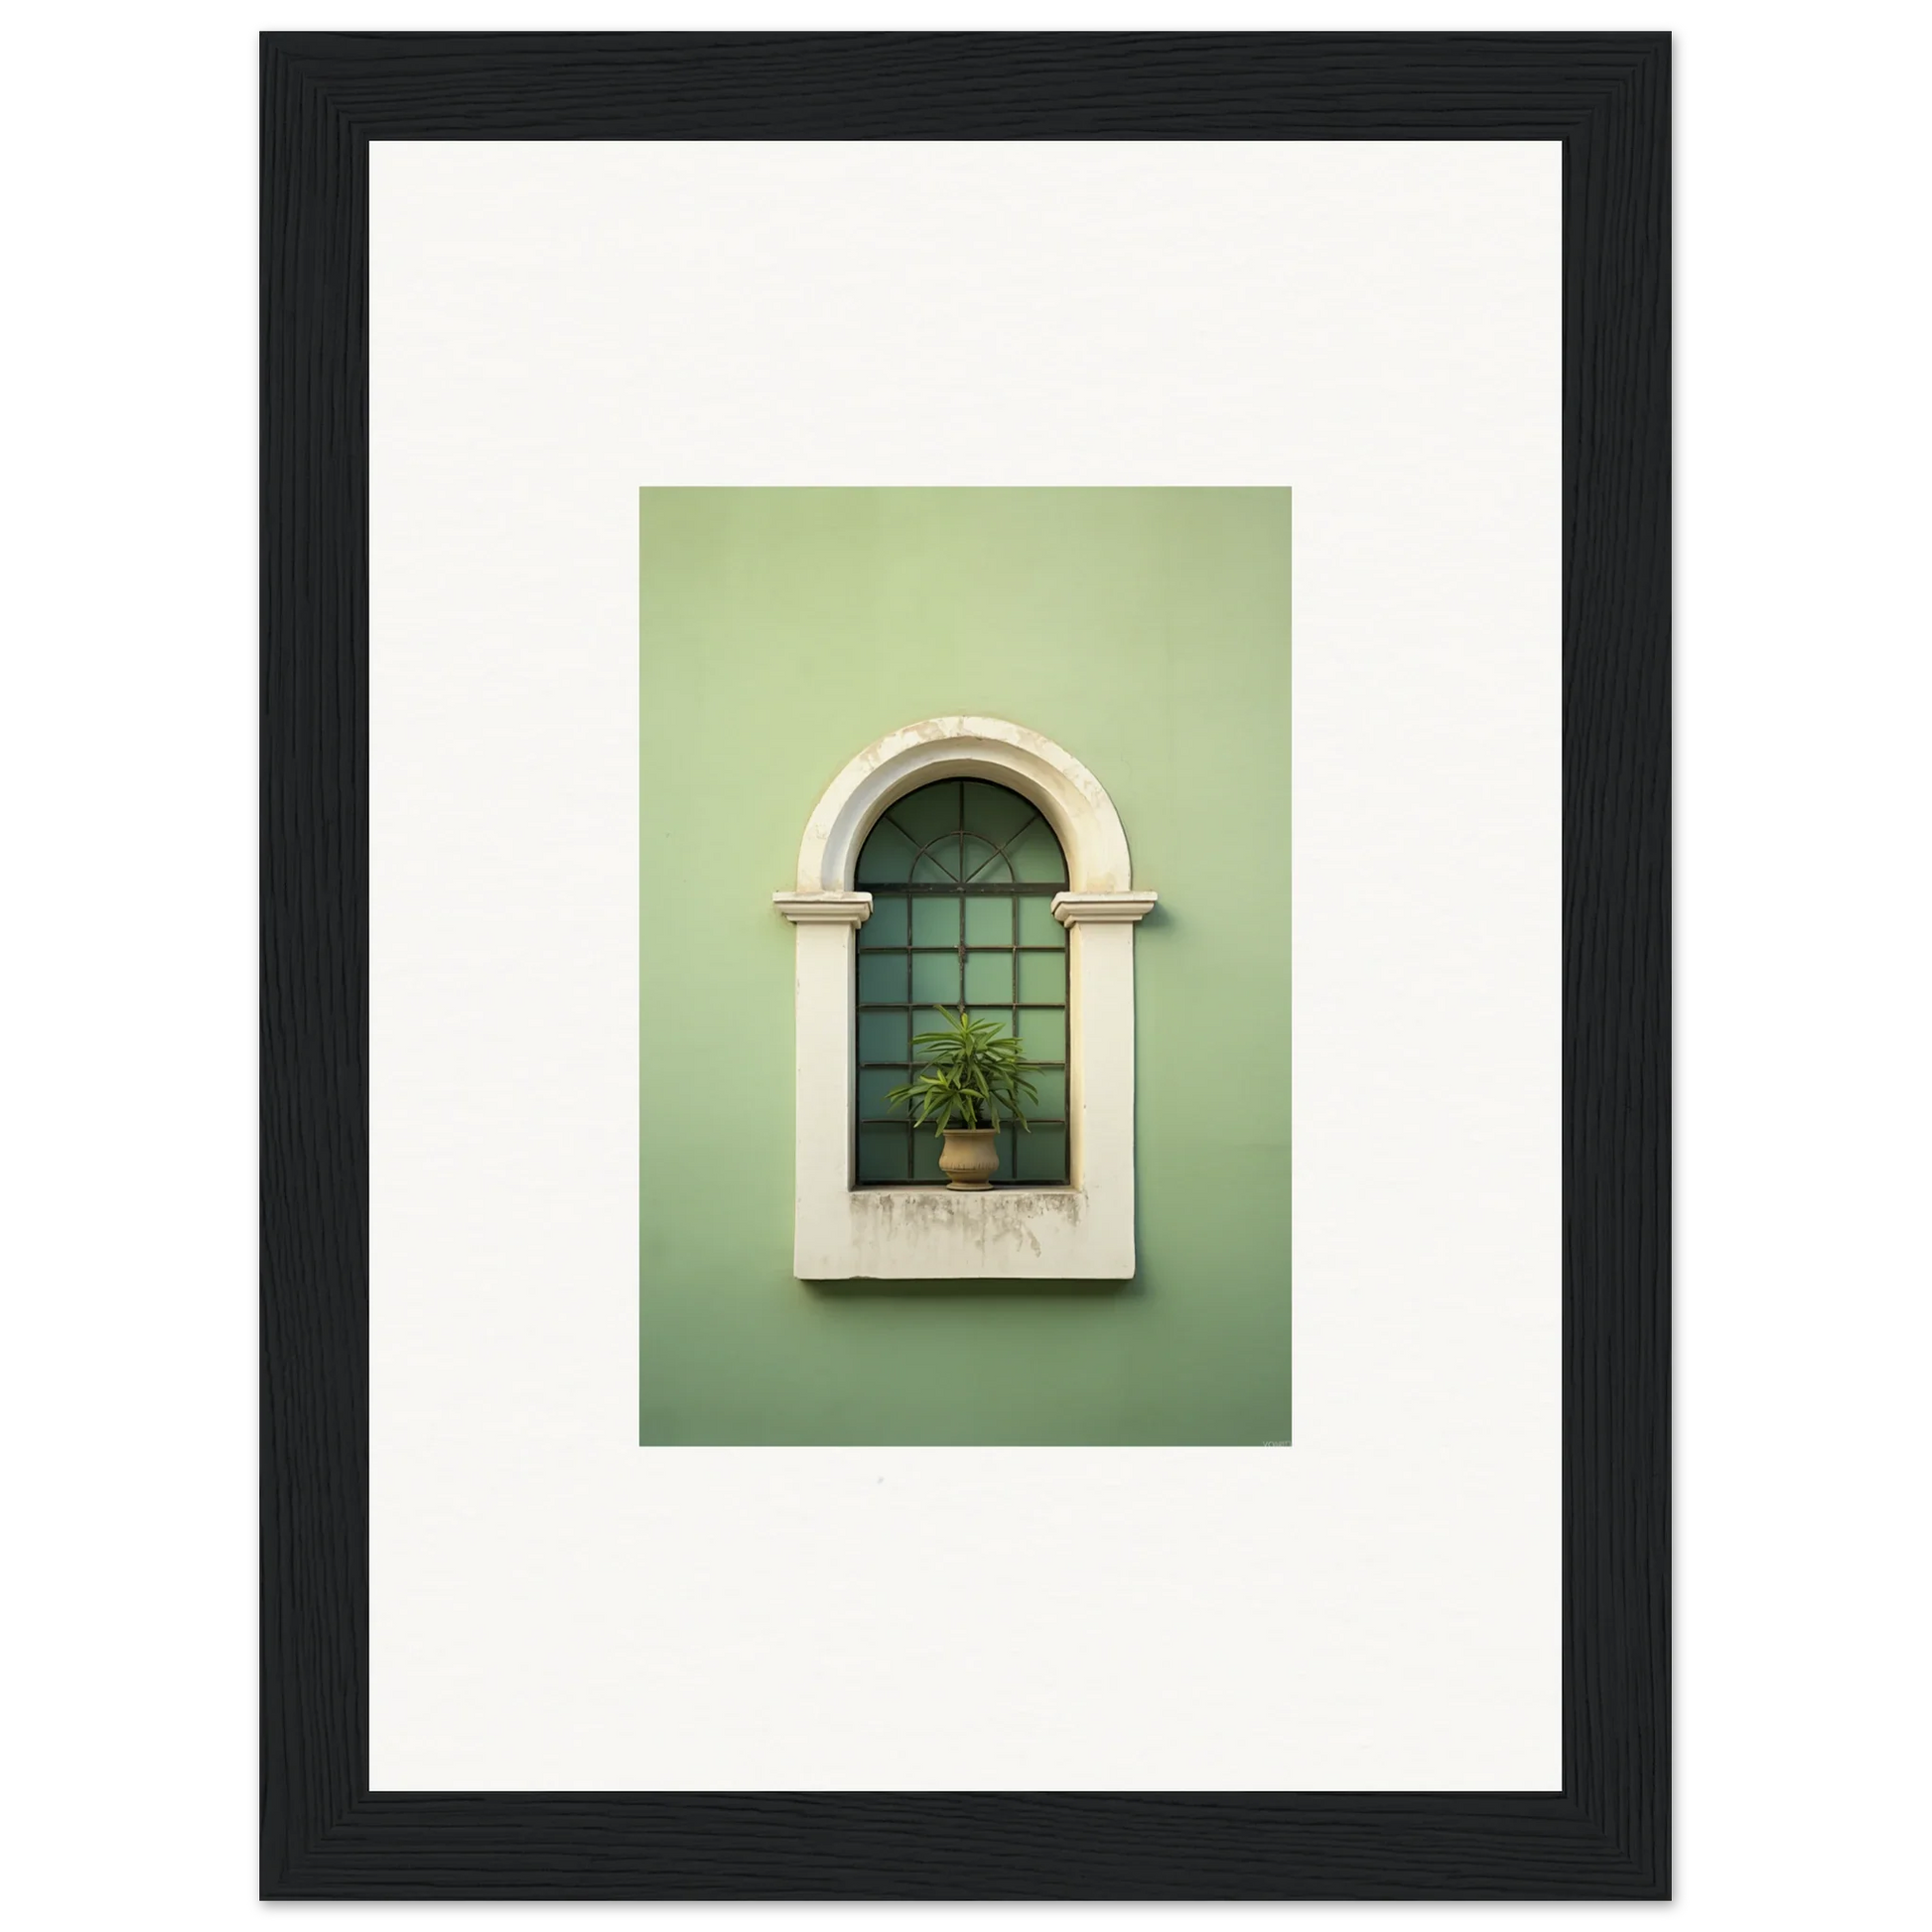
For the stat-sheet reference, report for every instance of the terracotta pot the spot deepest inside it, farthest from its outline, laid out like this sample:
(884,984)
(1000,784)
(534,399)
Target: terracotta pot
(970,1158)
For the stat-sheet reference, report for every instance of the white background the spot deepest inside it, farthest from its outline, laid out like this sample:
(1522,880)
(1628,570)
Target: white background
(1376,323)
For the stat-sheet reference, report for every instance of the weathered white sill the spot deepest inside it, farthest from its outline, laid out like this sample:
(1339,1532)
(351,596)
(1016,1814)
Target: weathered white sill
(931,1233)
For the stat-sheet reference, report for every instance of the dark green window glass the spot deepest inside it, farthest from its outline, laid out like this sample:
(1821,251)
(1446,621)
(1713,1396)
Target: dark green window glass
(884,1157)
(936,921)
(1052,1082)
(1037,925)
(925,1020)
(989,975)
(935,977)
(882,979)
(883,1039)
(875,1083)
(886,926)
(1042,978)
(962,876)
(887,859)
(988,922)
(1045,1034)
(1041,1155)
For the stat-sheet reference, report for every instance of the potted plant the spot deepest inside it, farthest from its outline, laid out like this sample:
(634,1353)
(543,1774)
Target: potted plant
(971,1079)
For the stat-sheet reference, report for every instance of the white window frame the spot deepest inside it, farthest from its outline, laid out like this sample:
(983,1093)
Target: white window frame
(1083,1231)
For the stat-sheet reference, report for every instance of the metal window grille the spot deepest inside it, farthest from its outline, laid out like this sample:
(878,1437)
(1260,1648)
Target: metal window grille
(962,876)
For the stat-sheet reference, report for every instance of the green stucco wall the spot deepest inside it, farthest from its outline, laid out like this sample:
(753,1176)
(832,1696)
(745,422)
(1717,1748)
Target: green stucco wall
(1147,631)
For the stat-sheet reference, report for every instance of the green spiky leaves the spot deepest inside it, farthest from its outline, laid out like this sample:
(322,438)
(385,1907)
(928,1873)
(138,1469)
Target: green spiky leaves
(972,1076)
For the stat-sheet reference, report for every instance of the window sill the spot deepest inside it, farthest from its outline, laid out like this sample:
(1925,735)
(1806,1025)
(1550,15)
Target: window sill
(931,1233)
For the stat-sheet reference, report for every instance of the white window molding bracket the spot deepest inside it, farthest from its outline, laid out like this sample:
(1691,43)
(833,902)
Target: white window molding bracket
(1081,1232)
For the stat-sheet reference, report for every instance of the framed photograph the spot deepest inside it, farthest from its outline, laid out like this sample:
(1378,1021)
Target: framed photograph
(965,966)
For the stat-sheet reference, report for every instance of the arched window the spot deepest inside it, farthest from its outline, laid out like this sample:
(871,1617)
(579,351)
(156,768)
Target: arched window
(962,876)
(971,859)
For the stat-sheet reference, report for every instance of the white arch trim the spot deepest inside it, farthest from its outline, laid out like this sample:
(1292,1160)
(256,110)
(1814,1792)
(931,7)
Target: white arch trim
(1074,800)
(1083,1231)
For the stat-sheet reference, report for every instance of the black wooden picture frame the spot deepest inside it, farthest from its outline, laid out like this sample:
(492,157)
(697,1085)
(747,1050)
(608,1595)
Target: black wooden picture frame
(325,97)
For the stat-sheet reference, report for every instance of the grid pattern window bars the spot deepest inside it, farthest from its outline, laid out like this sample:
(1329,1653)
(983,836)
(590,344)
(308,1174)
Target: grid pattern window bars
(962,876)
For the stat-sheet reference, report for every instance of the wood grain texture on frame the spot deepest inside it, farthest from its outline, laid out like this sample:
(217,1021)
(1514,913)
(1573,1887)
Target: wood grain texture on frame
(325,97)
